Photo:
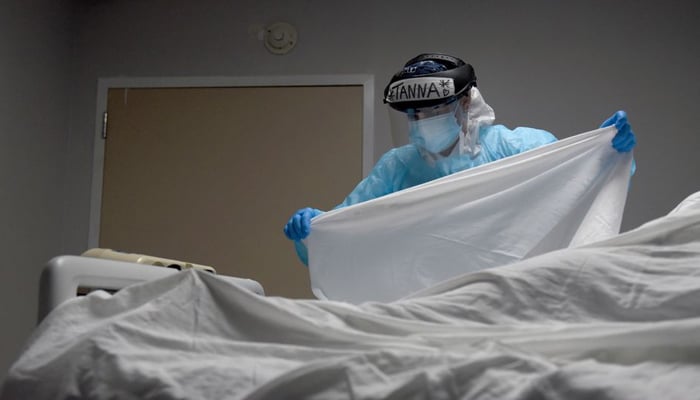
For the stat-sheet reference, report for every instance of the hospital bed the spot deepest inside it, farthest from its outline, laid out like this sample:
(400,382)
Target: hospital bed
(67,276)
(616,318)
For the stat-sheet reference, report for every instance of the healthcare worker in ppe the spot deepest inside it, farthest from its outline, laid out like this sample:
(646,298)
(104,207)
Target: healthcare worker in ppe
(450,130)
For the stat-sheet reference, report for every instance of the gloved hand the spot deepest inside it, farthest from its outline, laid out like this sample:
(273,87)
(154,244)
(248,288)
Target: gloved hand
(299,225)
(624,140)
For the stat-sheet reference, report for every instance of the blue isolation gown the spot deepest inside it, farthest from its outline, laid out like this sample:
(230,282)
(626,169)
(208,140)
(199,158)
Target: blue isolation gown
(404,167)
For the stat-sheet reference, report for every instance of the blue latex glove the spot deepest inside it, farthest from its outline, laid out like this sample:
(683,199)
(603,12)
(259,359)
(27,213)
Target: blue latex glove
(299,225)
(624,140)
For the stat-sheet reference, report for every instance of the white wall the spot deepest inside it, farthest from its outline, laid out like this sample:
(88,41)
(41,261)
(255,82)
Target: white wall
(34,109)
(564,66)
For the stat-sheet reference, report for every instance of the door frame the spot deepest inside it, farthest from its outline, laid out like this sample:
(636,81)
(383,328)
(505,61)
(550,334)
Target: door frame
(104,84)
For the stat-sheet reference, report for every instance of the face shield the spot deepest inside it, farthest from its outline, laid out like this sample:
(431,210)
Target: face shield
(424,125)
(436,129)
(434,103)
(399,127)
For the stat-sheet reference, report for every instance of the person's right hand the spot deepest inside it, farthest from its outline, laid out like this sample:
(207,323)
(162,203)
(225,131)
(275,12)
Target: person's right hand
(299,225)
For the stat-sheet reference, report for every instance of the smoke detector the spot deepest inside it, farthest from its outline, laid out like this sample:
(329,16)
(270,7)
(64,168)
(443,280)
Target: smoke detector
(280,37)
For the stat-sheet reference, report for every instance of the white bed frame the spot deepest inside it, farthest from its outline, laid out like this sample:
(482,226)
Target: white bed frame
(63,276)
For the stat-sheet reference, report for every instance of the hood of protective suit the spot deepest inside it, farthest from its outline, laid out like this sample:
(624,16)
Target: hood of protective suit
(478,115)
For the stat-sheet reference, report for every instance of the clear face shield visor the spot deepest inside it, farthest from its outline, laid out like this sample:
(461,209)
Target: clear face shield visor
(471,117)
(433,129)
(417,114)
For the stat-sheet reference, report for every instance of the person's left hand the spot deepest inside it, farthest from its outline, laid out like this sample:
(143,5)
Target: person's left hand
(624,140)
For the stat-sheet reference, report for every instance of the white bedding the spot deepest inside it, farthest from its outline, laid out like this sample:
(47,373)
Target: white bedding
(618,319)
(565,194)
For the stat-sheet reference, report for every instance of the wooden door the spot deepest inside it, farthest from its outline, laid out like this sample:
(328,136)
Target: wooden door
(211,175)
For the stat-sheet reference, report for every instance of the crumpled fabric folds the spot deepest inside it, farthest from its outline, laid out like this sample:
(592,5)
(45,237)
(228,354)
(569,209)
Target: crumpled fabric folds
(564,194)
(617,319)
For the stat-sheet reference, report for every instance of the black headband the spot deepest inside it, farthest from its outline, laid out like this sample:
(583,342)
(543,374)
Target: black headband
(406,90)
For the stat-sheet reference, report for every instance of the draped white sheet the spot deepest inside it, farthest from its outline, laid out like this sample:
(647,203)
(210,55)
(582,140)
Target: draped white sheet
(616,319)
(565,194)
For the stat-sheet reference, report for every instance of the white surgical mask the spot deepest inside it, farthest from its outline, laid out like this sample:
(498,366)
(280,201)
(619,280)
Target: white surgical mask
(435,134)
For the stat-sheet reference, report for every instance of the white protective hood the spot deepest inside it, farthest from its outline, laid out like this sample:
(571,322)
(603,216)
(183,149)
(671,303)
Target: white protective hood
(478,115)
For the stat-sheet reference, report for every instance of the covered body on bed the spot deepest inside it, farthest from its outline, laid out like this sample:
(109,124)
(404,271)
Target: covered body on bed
(617,319)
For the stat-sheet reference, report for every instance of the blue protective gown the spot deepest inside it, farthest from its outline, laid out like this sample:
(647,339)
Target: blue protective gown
(404,167)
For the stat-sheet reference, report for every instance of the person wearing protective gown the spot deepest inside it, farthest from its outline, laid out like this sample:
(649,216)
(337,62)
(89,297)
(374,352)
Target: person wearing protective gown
(451,129)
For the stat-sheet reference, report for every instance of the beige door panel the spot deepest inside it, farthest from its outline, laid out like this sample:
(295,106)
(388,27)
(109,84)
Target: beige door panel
(210,175)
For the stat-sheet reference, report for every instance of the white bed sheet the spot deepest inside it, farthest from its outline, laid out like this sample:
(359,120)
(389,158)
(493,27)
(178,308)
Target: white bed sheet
(618,319)
(565,194)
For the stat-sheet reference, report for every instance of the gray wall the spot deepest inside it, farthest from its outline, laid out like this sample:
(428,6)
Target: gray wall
(34,111)
(563,66)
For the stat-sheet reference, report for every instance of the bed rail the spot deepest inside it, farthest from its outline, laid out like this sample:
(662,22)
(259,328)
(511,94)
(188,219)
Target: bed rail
(65,277)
